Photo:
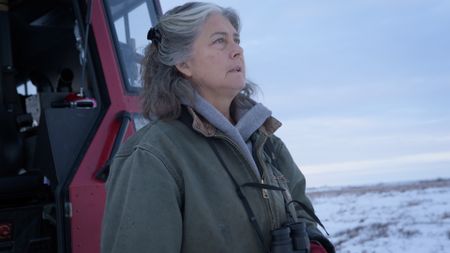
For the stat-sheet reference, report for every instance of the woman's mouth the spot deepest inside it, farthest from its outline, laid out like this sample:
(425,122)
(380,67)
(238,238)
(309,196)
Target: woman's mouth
(236,69)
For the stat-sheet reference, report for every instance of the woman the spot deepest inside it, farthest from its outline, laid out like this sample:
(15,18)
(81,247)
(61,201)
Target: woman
(206,174)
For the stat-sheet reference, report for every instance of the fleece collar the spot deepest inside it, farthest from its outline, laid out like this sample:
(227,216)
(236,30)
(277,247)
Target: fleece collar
(207,120)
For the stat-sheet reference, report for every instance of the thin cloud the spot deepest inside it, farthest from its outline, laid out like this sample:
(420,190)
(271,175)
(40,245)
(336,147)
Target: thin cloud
(379,163)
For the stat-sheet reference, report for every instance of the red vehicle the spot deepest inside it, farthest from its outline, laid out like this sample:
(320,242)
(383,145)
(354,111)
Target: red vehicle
(69,85)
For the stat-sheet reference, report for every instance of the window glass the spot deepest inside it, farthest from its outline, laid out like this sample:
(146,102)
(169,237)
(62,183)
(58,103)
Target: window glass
(130,21)
(27,89)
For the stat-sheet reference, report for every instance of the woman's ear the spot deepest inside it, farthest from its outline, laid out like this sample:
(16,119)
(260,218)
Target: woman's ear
(184,69)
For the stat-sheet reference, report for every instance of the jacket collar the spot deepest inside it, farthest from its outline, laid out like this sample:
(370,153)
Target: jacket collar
(202,126)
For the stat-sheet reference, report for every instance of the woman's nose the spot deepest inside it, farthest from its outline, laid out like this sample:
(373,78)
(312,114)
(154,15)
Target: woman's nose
(237,51)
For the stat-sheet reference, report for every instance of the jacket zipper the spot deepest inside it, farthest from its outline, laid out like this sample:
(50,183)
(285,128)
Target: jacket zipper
(265,192)
(264,173)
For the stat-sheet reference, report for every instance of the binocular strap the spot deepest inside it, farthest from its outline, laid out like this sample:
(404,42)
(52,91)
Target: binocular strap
(245,203)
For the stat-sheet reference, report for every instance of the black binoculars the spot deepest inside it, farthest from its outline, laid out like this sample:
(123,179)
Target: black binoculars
(291,238)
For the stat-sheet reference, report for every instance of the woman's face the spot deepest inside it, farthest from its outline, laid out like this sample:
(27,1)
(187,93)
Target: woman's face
(216,66)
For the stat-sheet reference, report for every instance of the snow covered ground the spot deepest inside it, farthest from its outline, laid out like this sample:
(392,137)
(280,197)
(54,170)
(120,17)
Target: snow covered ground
(401,217)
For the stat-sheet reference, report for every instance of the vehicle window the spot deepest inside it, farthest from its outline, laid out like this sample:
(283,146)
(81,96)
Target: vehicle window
(130,22)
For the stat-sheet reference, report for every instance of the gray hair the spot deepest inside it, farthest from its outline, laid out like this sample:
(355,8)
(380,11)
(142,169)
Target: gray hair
(177,30)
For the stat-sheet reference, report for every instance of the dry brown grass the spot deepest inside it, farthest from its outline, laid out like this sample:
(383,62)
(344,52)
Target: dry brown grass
(379,188)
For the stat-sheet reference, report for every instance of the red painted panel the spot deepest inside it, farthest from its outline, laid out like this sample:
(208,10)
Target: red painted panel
(86,194)
(87,210)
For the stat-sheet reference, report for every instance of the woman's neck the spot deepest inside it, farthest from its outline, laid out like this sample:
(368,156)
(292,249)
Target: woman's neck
(222,105)
(224,108)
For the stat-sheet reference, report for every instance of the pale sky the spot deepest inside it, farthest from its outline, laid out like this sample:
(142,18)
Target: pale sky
(362,87)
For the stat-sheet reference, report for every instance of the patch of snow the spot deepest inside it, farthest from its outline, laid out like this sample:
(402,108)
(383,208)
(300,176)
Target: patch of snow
(402,217)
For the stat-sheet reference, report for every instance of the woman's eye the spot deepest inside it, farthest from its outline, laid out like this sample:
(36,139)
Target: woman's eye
(219,41)
(237,41)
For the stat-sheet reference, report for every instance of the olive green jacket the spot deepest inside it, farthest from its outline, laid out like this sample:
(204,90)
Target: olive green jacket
(169,192)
